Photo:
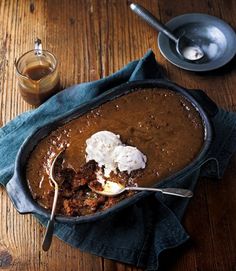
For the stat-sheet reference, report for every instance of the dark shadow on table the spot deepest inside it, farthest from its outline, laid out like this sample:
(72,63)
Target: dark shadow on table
(168,259)
(226,69)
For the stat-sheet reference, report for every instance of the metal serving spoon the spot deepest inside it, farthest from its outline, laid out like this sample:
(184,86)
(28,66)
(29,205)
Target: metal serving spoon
(186,47)
(47,240)
(113,189)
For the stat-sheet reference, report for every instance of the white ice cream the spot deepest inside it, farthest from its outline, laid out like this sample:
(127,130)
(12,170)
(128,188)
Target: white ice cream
(128,158)
(107,150)
(192,52)
(100,147)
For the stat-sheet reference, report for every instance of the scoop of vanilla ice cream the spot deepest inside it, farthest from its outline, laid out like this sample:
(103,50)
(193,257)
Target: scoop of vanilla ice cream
(100,147)
(128,158)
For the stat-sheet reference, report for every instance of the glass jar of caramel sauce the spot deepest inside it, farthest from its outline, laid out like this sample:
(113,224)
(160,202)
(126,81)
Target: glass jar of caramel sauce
(38,77)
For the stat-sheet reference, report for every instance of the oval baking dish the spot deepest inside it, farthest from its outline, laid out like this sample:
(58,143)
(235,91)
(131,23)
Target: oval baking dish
(18,189)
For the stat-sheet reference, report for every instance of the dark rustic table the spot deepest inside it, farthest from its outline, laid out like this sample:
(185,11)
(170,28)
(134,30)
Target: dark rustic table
(93,39)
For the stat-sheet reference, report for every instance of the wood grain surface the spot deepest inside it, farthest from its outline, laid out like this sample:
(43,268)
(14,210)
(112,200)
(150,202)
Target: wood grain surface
(92,39)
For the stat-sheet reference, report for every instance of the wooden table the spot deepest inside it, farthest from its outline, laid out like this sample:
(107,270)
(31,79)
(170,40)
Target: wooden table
(93,39)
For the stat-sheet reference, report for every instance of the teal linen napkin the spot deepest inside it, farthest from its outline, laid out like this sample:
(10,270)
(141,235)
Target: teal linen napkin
(155,223)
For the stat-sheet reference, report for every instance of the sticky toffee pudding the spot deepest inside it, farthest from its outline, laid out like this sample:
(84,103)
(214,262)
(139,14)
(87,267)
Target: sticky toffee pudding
(162,124)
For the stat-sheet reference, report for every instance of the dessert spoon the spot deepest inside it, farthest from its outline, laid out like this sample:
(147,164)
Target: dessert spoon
(185,47)
(47,240)
(113,189)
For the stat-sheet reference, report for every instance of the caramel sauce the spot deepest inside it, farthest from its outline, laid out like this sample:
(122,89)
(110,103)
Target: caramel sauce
(38,72)
(35,91)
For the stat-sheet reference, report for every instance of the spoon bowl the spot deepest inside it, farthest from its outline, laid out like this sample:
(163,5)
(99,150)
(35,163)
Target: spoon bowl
(112,189)
(188,49)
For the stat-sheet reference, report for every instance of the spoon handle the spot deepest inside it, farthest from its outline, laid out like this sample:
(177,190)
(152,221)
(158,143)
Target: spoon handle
(152,20)
(47,240)
(48,235)
(180,192)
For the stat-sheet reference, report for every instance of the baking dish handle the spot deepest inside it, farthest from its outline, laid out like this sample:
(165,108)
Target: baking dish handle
(15,192)
(207,104)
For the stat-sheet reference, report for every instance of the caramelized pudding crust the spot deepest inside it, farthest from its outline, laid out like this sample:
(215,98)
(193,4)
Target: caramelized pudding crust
(162,124)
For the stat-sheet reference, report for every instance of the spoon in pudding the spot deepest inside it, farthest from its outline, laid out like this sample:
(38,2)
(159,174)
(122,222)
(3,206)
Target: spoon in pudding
(47,240)
(186,47)
(113,189)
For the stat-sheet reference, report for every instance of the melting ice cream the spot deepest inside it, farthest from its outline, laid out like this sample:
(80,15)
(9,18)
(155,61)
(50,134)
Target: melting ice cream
(128,158)
(108,151)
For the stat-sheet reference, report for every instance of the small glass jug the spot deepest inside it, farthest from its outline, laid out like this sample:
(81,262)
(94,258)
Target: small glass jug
(38,77)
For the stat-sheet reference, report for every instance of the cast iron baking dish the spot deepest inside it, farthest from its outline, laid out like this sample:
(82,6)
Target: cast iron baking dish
(17,187)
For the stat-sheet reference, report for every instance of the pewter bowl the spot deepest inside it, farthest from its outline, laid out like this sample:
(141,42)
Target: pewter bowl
(215,37)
